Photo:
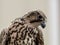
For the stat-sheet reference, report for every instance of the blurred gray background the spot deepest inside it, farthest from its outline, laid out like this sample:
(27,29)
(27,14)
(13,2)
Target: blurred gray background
(11,9)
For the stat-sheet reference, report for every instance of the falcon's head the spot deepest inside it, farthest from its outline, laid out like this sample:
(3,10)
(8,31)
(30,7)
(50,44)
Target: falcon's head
(36,18)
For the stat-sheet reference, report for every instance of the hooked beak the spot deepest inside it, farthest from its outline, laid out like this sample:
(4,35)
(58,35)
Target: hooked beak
(43,25)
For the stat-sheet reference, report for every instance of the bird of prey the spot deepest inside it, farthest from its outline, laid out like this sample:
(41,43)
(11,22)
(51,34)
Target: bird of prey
(25,31)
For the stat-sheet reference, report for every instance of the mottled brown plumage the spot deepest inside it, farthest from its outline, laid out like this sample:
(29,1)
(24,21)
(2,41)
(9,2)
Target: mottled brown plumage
(24,31)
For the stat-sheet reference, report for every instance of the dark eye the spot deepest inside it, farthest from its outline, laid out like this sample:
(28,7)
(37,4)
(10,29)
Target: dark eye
(40,17)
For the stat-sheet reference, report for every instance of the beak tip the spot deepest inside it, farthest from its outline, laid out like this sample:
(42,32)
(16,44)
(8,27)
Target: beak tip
(43,25)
